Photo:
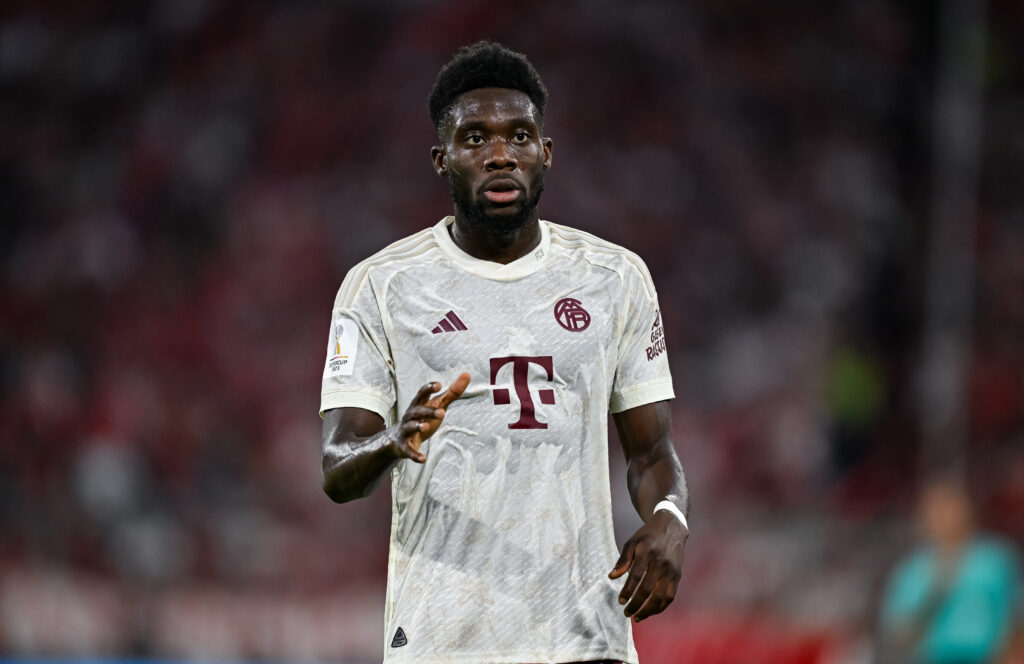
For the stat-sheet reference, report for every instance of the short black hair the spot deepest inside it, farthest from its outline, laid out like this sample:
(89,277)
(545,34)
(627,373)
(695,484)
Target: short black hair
(485,64)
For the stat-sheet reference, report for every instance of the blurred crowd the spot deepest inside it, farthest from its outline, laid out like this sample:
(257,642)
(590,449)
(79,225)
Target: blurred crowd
(184,183)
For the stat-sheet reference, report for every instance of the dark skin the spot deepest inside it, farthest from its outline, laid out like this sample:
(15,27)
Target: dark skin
(494,153)
(494,141)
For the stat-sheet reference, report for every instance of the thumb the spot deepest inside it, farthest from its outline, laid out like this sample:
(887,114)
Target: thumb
(625,560)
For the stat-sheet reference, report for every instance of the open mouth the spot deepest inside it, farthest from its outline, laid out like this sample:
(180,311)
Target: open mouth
(502,192)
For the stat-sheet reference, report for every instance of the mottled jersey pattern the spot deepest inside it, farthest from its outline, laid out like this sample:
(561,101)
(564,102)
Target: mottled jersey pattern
(501,543)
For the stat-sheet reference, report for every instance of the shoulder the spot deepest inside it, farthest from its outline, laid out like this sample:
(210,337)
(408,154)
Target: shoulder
(915,566)
(994,551)
(581,245)
(408,252)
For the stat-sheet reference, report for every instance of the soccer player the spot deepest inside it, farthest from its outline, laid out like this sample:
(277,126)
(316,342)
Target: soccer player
(502,547)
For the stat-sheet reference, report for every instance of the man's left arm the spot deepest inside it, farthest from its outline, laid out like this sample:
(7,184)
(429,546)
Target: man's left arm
(653,556)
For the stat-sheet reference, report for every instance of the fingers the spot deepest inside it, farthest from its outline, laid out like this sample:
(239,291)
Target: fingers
(423,413)
(410,428)
(424,416)
(422,420)
(642,592)
(660,597)
(624,561)
(653,560)
(636,574)
(650,595)
(423,394)
(408,440)
(454,390)
(418,423)
(649,588)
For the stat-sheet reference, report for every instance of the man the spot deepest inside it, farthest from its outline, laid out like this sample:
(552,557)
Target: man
(954,600)
(501,542)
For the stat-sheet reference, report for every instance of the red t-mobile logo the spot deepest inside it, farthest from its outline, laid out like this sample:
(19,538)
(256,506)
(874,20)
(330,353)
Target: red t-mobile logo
(520,370)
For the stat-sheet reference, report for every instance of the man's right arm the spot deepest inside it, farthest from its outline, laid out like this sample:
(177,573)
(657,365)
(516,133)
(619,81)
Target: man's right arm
(358,450)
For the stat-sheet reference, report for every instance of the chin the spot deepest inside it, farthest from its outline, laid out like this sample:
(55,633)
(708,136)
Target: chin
(506,223)
(500,221)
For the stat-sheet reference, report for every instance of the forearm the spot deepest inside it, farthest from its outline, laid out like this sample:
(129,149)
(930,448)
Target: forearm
(655,477)
(358,451)
(653,473)
(352,466)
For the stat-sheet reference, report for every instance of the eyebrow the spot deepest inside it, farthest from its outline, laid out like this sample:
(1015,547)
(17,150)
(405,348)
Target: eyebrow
(480,124)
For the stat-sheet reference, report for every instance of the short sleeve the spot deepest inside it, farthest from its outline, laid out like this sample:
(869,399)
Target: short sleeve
(358,371)
(642,373)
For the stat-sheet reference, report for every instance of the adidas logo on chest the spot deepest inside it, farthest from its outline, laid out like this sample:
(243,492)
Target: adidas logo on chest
(450,323)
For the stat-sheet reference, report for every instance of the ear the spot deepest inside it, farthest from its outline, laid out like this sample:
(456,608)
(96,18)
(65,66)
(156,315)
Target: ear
(548,146)
(440,158)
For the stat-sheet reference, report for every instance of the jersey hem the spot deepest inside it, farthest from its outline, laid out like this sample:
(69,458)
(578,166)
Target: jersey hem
(356,399)
(516,658)
(640,395)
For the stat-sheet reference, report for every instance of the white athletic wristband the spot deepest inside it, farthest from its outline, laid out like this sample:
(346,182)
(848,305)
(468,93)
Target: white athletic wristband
(671,507)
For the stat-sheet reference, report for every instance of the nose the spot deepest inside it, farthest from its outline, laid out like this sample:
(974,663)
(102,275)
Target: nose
(501,158)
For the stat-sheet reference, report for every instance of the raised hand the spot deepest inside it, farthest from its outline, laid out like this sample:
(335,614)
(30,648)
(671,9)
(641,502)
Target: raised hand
(424,416)
(653,556)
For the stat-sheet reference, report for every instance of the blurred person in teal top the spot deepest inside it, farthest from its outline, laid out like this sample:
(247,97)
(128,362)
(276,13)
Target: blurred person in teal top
(955,600)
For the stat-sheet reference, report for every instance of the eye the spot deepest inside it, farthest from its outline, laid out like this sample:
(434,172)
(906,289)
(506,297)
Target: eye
(474,139)
(520,137)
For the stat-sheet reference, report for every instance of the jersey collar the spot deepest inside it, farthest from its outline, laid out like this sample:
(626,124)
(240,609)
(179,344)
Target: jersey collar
(517,269)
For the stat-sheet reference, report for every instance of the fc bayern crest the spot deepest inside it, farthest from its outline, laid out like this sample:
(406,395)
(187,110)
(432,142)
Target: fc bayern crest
(571,315)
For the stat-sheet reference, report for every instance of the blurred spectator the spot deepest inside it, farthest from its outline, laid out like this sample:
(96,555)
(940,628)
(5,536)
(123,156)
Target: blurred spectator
(955,599)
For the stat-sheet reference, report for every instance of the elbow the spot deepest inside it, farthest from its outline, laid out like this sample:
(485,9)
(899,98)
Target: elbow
(329,482)
(332,492)
(336,493)
(332,481)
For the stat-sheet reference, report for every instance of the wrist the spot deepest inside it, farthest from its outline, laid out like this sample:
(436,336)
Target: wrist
(670,507)
(391,442)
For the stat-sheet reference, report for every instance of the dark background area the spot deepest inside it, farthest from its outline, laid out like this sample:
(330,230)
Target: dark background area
(183,185)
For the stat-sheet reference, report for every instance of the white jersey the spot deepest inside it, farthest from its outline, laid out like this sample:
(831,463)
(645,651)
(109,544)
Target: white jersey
(501,543)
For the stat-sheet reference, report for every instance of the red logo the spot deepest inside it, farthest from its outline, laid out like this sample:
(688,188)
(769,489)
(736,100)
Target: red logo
(520,370)
(571,315)
(657,346)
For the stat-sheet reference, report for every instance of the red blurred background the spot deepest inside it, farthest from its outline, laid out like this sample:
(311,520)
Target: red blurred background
(184,183)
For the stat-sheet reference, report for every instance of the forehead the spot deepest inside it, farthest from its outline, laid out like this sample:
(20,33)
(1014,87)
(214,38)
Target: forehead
(492,105)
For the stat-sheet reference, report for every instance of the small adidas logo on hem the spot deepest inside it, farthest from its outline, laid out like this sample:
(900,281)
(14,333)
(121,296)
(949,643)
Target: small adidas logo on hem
(450,323)
(399,639)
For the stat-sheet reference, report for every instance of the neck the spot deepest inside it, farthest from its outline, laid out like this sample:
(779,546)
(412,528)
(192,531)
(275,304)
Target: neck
(953,545)
(495,247)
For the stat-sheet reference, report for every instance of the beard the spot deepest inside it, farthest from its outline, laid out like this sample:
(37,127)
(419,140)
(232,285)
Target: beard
(480,221)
